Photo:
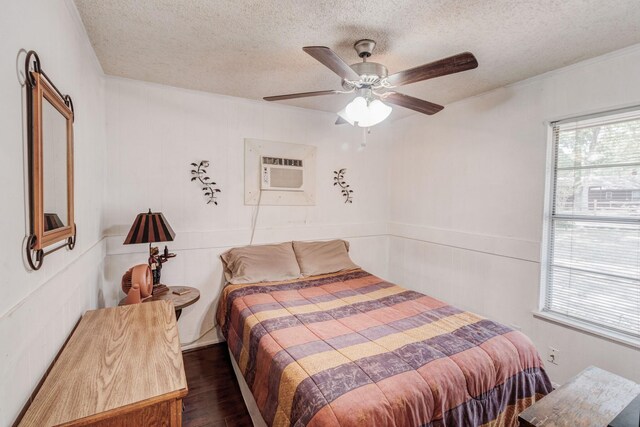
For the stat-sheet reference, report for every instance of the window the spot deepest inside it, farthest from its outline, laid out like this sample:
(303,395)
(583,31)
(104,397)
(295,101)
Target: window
(592,260)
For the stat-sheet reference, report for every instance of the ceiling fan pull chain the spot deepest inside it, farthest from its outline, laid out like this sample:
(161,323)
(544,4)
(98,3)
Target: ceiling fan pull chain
(365,132)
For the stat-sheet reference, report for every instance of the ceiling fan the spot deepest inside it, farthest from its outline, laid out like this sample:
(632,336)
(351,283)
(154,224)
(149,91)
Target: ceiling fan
(372,83)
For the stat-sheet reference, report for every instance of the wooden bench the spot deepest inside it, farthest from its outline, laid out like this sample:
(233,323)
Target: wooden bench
(592,398)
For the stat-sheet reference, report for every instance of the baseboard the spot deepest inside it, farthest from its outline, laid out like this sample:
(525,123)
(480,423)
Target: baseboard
(209,338)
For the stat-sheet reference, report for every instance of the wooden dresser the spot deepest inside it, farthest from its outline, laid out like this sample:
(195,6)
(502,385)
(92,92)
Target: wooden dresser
(122,366)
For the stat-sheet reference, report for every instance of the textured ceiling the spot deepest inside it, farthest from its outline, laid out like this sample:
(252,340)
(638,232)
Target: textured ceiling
(253,49)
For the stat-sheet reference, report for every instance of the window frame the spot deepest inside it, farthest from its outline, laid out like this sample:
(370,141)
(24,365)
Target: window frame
(547,234)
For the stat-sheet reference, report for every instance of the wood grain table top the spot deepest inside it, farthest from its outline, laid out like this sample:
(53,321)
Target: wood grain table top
(117,358)
(592,398)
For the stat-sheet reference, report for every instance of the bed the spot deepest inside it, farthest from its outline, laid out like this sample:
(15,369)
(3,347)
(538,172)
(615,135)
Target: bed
(349,348)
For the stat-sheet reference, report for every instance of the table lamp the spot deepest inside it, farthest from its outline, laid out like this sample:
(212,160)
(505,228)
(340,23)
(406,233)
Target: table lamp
(152,227)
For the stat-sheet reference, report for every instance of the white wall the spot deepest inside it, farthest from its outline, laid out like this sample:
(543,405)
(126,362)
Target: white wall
(467,201)
(154,133)
(39,309)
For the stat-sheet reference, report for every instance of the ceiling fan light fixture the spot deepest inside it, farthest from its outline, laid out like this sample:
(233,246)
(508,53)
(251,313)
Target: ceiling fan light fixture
(365,114)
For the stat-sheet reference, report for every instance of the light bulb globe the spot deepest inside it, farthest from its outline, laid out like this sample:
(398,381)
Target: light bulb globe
(377,112)
(357,109)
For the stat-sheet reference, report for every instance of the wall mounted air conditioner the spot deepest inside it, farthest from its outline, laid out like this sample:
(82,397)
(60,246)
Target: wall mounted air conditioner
(279,173)
(282,174)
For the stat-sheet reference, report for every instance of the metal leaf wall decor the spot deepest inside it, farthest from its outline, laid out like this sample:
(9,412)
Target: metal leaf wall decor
(208,186)
(339,180)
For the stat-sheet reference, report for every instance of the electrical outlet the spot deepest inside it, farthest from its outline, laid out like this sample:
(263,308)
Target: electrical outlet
(553,356)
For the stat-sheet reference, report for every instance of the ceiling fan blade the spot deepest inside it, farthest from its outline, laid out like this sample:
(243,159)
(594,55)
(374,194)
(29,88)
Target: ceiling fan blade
(406,101)
(453,64)
(331,60)
(340,121)
(300,95)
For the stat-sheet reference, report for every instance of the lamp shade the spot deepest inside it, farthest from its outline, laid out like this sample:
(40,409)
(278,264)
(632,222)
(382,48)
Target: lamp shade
(148,228)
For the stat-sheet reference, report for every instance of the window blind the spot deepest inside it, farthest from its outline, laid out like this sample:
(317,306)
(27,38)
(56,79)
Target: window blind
(593,259)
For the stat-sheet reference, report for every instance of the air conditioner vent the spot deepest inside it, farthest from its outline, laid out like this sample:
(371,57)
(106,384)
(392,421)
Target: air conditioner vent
(281,161)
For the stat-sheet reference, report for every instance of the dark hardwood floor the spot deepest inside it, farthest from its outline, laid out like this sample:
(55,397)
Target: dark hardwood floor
(214,398)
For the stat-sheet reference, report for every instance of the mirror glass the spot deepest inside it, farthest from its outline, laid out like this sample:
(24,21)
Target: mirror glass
(54,166)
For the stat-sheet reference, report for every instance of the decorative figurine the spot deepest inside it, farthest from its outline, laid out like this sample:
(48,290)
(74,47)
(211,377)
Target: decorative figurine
(156,260)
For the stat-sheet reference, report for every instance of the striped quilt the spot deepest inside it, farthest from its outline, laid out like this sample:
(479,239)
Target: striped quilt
(349,349)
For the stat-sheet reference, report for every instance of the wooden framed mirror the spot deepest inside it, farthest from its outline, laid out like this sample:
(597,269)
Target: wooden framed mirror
(50,134)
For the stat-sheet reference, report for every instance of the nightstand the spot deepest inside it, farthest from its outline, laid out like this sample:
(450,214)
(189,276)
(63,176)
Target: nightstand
(179,301)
